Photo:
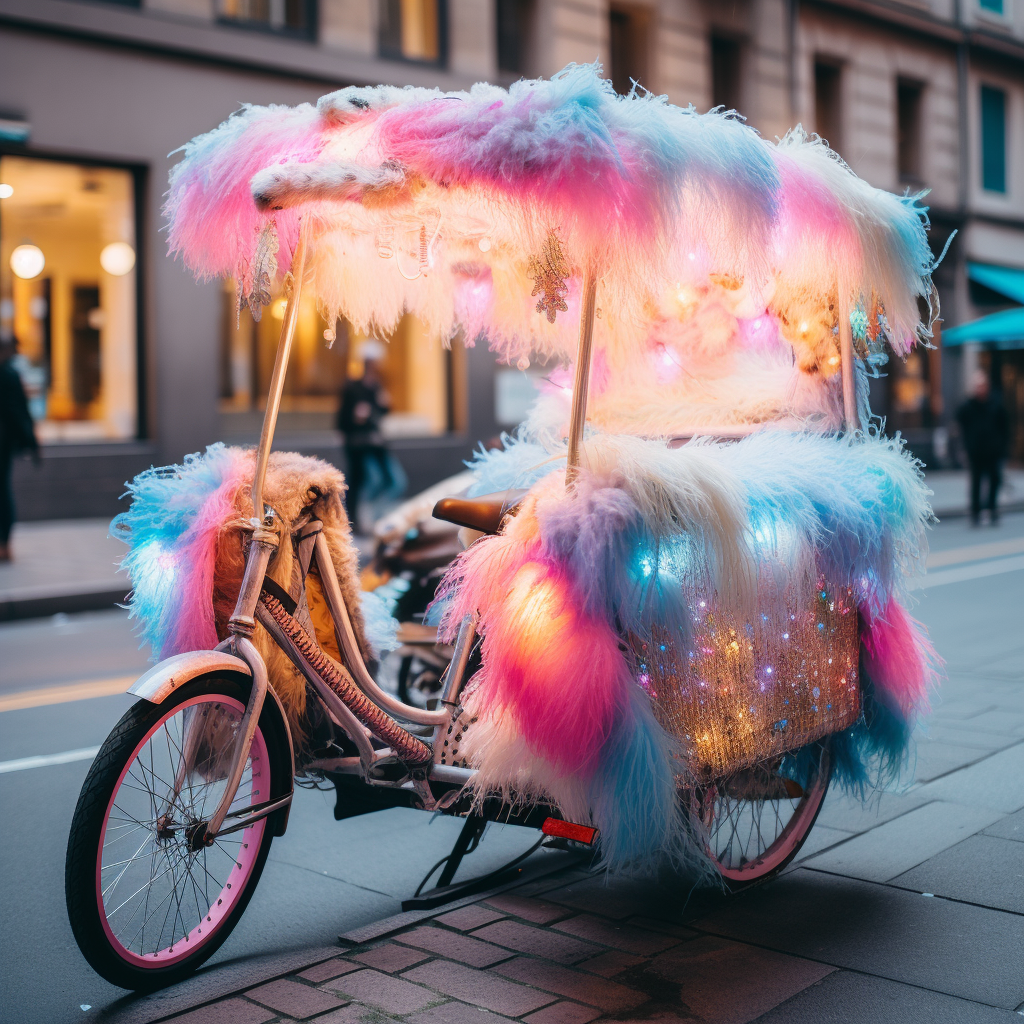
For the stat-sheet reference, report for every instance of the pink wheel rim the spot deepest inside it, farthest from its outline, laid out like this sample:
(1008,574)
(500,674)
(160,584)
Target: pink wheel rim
(773,851)
(198,914)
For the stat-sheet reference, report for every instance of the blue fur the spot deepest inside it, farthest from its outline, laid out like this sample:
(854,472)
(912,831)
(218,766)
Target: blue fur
(635,800)
(622,568)
(165,501)
(380,629)
(518,464)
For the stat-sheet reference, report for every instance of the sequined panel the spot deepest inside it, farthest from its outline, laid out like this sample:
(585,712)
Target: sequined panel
(744,692)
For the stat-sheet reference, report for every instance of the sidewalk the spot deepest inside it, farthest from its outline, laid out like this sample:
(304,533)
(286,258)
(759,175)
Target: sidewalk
(71,565)
(65,565)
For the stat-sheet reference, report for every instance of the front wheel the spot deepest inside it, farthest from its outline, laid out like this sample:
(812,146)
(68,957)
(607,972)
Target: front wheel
(758,818)
(148,900)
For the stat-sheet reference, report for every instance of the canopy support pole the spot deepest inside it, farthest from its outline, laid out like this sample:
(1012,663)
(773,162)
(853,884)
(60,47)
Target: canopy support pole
(581,385)
(284,348)
(850,414)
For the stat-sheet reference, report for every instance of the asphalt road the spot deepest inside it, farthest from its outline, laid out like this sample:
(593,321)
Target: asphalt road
(323,876)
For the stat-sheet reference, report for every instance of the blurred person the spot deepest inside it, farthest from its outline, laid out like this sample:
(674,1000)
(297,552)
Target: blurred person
(364,403)
(17,434)
(985,429)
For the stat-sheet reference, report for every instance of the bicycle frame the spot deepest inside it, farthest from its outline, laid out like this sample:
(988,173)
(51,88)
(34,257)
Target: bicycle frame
(314,553)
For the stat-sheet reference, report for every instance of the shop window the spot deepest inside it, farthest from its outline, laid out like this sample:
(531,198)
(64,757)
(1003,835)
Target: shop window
(725,73)
(993,139)
(908,130)
(992,6)
(828,106)
(413,30)
(514,22)
(421,376)
(292,17)
(628,45)
(68,295)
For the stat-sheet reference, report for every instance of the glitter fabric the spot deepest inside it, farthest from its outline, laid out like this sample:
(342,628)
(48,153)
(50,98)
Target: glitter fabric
(741,693)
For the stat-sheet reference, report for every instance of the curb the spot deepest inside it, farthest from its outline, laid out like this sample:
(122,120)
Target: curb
(35,603)
(963,512)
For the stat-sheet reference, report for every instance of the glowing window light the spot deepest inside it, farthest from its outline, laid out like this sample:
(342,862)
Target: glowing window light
(27,261)
(6,191)
(117,258)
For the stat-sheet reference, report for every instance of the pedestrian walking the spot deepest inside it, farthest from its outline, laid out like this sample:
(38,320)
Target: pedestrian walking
(17,434)
(364,403)
(985,429)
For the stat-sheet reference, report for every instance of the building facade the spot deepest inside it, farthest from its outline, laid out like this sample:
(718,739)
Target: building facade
(129,362)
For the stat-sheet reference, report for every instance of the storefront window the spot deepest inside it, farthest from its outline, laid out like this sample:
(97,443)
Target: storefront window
(68,295)
(421,376)
(412,30)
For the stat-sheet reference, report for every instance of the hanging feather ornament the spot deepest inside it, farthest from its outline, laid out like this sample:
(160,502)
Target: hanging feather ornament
(261,271)
(549,272)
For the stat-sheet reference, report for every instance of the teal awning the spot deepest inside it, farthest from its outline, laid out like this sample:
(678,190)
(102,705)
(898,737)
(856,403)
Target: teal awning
(1005,280)
(1005,329)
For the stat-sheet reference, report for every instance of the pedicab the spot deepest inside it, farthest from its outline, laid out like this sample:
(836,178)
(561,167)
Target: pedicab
(682,613)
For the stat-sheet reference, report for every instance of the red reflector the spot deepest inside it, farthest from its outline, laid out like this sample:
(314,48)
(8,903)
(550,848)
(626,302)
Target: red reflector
(567,830)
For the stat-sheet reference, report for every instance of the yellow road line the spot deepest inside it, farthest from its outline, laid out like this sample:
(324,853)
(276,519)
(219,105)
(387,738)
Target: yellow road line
(64,694)
(974,553)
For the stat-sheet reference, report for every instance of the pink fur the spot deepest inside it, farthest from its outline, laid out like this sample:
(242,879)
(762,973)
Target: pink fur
(215,221)
(194,628)
(558,672)
(816,238)
(899,659)
(531,148)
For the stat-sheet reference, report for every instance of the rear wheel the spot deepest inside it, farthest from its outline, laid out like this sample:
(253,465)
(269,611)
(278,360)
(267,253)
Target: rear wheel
(148,900)
(758,818)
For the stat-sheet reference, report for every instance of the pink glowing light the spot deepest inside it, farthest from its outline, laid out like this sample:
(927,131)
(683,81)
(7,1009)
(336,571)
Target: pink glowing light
(665,363)
(761,332)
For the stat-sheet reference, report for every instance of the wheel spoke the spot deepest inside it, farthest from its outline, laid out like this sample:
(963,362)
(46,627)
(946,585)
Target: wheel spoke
(170,889)
(752,834)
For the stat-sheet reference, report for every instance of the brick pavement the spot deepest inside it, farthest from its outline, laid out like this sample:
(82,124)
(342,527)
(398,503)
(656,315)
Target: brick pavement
(573,948)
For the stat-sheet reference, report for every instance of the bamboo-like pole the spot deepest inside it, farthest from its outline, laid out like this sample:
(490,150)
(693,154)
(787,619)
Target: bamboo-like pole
(850,415)
(581,385)
(284,348)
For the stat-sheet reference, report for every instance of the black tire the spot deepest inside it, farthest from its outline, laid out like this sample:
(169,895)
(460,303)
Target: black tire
(81,867)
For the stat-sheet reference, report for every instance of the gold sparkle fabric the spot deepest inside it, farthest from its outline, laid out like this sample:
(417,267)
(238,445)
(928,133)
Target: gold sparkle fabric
(742,691)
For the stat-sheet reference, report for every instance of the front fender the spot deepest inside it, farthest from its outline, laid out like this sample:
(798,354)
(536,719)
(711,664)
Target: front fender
(163,679)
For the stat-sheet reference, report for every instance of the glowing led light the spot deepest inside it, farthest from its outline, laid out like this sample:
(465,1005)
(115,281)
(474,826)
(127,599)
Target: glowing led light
(117,259)
(804,327)
(27,261)
(278,308)
(484,245)
(6,191)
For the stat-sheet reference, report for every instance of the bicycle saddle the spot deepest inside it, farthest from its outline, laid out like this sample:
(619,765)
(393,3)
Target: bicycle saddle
(485,513)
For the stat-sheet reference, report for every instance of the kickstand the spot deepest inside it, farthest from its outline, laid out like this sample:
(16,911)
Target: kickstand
(444,892)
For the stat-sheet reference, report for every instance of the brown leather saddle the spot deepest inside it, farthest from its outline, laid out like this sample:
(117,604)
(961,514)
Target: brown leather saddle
(485,514)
